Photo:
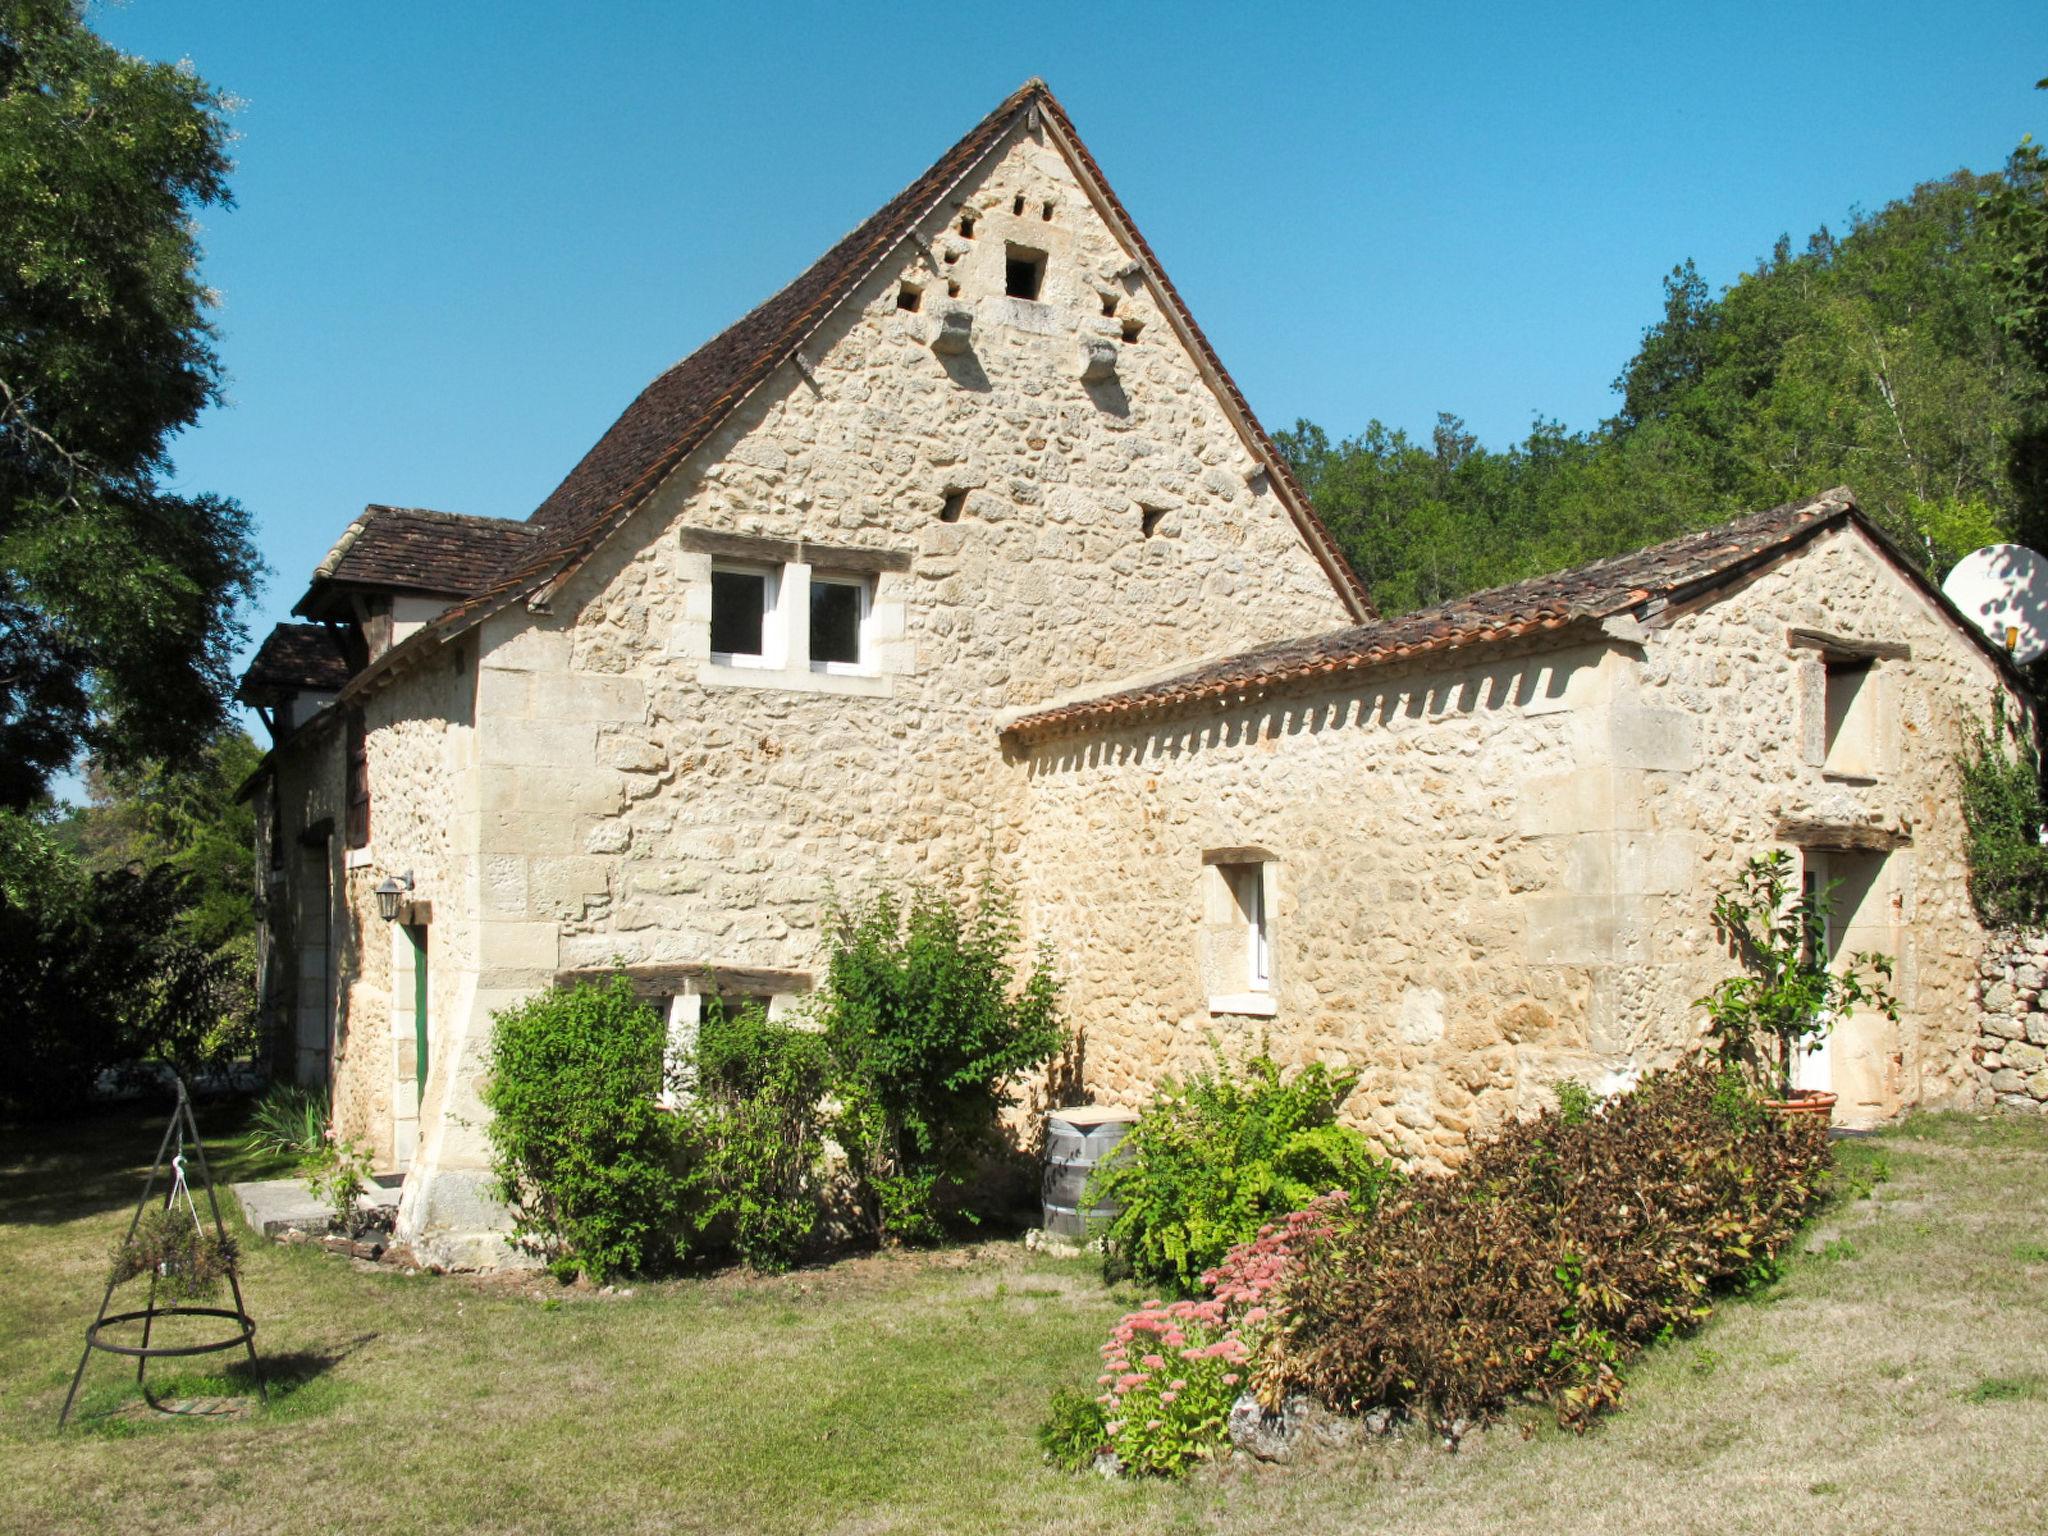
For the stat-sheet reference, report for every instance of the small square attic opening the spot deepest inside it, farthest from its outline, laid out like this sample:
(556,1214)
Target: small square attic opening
(1023,272)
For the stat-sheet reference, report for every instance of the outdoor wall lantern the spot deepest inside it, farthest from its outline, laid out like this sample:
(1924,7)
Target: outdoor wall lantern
(389,889)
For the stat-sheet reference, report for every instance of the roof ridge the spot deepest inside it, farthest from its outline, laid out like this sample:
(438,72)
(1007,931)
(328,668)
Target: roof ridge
(435,514)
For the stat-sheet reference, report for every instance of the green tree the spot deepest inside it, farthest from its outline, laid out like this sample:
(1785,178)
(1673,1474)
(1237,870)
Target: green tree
(147,814)
(117,596)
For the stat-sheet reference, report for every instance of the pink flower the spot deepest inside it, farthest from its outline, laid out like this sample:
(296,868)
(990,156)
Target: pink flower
(1179,1386)
(1152,1424)
(1167,1397)
(1230,1379)
(1153,1362)
(1125,1383)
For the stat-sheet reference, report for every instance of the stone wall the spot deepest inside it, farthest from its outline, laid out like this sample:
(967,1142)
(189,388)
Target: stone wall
(1488,875)
(2010,1055)
(1034,533)
(643,804)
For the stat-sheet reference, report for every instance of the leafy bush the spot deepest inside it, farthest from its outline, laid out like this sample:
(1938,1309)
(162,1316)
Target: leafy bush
(927,1026)
(1548,1256)
(1216,1157)
(2003,809)
(99,969)
(757,1123)
(1792,996)
(597,1173)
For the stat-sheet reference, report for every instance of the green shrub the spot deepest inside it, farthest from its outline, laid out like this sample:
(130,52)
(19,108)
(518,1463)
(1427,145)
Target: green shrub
(757,1123)
(1073,1431)
(1548,1256)
(600,1178)
(1214,1158)
(927,1027)
(2003,810)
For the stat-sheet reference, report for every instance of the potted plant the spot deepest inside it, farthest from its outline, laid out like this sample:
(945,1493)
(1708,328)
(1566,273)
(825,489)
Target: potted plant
(1791,996)
(169,1242)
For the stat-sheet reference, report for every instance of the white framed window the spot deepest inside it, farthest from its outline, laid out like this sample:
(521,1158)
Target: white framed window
(1238,932)
(841,611)
(746,621)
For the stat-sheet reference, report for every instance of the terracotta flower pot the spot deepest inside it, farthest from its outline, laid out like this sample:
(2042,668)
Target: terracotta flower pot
(1805,1101)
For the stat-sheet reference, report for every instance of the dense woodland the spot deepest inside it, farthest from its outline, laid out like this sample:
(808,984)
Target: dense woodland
(1907,359)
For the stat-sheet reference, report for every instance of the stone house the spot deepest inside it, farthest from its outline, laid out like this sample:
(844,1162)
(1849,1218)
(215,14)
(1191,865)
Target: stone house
(962,553)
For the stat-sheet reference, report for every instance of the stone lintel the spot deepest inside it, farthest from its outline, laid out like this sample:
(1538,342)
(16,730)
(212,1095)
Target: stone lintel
(833,557)
(1247,854)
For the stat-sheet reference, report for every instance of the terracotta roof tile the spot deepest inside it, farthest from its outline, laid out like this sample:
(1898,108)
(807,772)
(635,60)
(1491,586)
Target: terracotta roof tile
(412,549)
(295,658)
(1604,589)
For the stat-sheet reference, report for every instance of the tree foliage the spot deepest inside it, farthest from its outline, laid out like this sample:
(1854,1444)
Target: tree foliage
(2005,814)
(1905,358)
(117,595)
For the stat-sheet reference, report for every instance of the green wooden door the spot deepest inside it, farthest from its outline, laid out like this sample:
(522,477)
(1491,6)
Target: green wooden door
(419,1009)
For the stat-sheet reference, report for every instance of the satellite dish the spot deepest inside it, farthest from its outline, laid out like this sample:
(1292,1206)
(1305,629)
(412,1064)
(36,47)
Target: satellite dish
(2003,590)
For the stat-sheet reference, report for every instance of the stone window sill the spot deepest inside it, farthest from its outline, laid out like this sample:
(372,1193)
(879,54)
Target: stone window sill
(1847,776)
(1258,1005)
(789,680)
(358,858)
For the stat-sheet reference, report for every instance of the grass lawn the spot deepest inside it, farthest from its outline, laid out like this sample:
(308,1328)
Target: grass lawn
(1896,1380)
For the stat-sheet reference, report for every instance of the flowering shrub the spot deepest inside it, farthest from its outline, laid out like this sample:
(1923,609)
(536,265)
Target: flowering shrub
(1171,1370)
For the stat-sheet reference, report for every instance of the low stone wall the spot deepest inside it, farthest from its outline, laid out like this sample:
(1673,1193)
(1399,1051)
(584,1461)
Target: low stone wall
(2010,1054)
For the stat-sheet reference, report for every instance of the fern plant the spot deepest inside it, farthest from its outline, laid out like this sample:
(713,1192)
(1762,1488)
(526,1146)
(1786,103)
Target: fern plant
(1217,1156)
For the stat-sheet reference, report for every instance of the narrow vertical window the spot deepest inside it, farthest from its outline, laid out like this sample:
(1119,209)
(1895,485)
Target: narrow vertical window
(1237,941)
(1248,887)
(357,797)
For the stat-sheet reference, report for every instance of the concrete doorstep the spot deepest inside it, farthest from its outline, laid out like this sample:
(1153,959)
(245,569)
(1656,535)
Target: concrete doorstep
(277,1206)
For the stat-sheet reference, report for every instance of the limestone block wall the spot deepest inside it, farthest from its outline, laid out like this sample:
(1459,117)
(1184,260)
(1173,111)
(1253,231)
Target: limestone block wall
(421,745)
(1492,875)
(1042,533)
(2009,1059)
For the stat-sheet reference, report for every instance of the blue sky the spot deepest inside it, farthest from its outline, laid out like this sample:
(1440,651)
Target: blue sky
(467,234)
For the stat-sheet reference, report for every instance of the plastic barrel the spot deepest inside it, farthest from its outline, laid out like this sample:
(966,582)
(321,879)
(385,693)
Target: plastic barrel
(1077,1142)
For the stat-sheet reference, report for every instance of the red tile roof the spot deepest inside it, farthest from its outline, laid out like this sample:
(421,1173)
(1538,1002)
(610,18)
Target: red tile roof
(412,549)
(295,658)
(1671,571)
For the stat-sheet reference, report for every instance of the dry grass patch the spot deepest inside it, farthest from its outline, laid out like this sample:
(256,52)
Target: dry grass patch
(1893,1380)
